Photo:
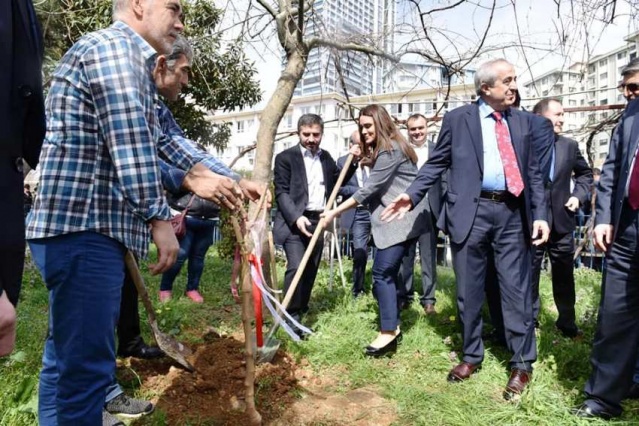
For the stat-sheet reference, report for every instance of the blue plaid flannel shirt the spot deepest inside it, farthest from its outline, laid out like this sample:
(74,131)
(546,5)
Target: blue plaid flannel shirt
(99,166)
(174,131)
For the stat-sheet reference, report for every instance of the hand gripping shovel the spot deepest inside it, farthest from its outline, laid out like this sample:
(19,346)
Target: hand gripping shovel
(168,344)
(271,344)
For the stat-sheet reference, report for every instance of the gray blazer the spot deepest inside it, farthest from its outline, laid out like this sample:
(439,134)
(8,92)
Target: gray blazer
(392,174)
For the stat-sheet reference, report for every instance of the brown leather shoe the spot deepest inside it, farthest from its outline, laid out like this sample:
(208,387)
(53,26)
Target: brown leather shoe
(517,383)
(462,371)
(429,309)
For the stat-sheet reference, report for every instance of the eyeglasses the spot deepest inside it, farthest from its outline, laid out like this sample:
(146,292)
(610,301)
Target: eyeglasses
(632,87)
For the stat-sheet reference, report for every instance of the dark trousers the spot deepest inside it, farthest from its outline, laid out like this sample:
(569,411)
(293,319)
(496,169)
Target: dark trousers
(498,228)
(614,350)
(360,232)
(560,249)
(129,336)
(428,260)
(385,283)
(294,247)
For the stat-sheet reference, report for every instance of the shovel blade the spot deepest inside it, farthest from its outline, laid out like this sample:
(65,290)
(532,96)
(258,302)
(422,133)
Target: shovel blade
(267,352)
(172,348)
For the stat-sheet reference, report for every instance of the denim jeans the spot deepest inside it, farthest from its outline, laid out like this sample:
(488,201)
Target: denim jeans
(83,272)
(193,246)
(386,281)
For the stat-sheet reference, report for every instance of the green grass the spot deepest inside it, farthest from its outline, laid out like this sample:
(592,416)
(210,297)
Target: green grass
(414,379)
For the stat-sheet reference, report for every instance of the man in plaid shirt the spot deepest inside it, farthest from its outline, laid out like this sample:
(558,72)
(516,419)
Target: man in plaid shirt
(99,195)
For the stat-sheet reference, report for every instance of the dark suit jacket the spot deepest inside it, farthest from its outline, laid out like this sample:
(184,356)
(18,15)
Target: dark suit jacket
(21,124)
(543,139)
(291,188)
(615,172)
(346,191)
(459,150)
(568,159)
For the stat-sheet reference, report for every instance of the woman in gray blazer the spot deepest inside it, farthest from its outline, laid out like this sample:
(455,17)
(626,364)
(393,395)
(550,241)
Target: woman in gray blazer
(393,168)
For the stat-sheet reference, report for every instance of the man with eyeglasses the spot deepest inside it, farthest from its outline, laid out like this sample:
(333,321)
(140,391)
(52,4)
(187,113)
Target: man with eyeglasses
(614,349)
(629,86)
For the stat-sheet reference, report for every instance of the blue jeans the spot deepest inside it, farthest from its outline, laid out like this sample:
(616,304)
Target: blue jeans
(385,282)
(83,272)
(113,391)
(193,246)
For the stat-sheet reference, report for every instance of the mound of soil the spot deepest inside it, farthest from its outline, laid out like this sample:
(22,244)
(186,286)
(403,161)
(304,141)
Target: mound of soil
(215,391)
(287,394)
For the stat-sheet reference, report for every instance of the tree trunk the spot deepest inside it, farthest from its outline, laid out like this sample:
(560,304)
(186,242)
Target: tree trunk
(273,113)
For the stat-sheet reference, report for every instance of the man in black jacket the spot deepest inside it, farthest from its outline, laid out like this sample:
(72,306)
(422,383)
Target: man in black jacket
(22,124)
(567,163)
(304,177)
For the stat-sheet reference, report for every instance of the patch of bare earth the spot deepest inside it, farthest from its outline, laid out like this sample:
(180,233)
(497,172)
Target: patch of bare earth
(287,394)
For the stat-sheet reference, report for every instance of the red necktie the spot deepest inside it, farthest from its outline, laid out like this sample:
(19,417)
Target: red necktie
(514,182)
(633,187)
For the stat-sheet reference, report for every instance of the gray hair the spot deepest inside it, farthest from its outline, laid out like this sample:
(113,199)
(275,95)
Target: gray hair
(118,7)
(180,47)
(630,69)
(486,74)
(310,120)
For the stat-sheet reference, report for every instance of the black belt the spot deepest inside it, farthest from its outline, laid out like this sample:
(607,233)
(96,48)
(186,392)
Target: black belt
(312,214)
(497,196)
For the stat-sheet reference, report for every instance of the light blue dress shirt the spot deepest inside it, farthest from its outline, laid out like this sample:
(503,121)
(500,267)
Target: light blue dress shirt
(494,177)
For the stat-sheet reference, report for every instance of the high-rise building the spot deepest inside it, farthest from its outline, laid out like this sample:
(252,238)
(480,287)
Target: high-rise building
(330,70)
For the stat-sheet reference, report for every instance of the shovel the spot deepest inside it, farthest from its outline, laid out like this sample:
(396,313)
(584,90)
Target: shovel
(168,344)
(271,344)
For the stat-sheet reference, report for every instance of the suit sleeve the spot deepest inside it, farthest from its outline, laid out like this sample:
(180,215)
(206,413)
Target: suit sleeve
(436,165)
(538,203)
(381,175)
(543,140)
(583,177)
(282,181)
(610,175)
(350,187)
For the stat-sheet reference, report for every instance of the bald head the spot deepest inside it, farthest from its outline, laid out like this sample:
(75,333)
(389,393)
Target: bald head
(355,138)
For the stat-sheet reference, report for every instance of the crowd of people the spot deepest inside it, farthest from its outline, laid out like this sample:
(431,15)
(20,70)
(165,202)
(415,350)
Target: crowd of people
(502,183)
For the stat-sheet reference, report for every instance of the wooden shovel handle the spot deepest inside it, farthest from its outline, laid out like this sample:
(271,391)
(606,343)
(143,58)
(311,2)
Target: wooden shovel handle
(134,270)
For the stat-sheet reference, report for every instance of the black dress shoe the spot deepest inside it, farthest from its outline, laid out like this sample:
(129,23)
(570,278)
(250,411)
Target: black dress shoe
(571,333)
(633,392)
(389,349)
(143,351)
(587,412)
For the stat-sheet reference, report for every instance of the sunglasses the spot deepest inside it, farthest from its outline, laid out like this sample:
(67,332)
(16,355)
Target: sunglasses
(632,87)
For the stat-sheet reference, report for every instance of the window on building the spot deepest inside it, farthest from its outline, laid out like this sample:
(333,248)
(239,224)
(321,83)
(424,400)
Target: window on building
(603,76)
(571,89)
(603,102)
(621,55)
(603,62)
(240,126)
(603,141)
(572,102)
(591,69)
(632,56)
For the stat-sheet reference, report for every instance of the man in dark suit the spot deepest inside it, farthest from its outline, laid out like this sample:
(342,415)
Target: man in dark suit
(494,204)
(614,351)
(417,136)
(358,221)
(543,141)
(568,164)
(22,124)
(304,177)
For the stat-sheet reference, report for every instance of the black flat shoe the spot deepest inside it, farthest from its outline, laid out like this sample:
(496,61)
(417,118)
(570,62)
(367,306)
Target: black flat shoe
(143,351)
(389,349)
